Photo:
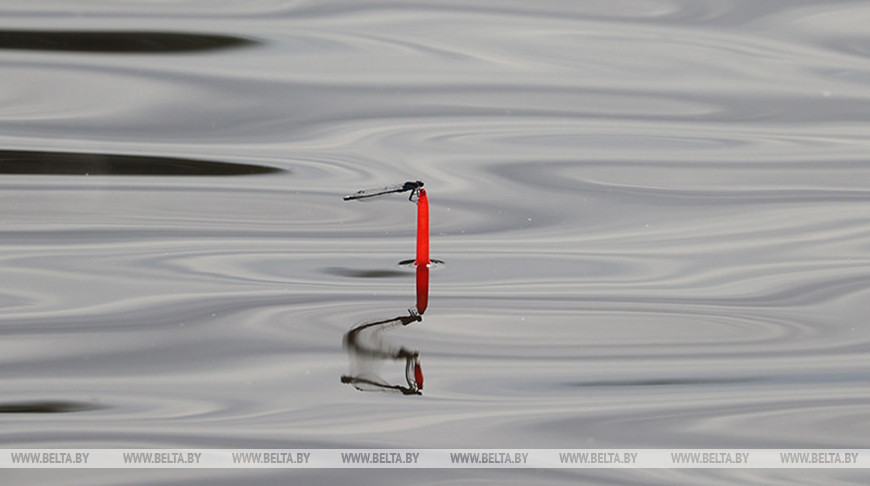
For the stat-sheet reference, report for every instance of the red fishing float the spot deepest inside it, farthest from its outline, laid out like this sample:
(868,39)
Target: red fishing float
(422,229)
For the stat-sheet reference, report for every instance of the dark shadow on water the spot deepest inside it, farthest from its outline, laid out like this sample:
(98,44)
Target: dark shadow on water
(71,163)
(117,42)
(363,273)
(48,406)
(354,273)
(665,382)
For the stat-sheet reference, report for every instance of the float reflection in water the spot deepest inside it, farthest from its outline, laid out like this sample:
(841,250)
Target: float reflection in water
(368,349)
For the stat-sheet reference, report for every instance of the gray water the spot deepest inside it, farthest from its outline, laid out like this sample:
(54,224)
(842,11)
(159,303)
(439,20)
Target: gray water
(653,217)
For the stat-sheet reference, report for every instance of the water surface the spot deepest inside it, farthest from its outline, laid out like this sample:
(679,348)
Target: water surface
(653,218)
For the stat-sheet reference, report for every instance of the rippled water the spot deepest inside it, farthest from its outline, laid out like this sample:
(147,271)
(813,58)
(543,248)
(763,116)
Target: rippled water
(653,217)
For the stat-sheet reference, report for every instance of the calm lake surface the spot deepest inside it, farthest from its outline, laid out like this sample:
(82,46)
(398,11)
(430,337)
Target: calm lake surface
(653,218)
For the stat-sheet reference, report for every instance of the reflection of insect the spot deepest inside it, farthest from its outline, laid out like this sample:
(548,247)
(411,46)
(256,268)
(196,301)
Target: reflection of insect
(413,375)
(413,186)
(367,349)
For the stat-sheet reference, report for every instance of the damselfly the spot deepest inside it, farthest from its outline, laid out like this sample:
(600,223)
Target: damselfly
(413,186)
